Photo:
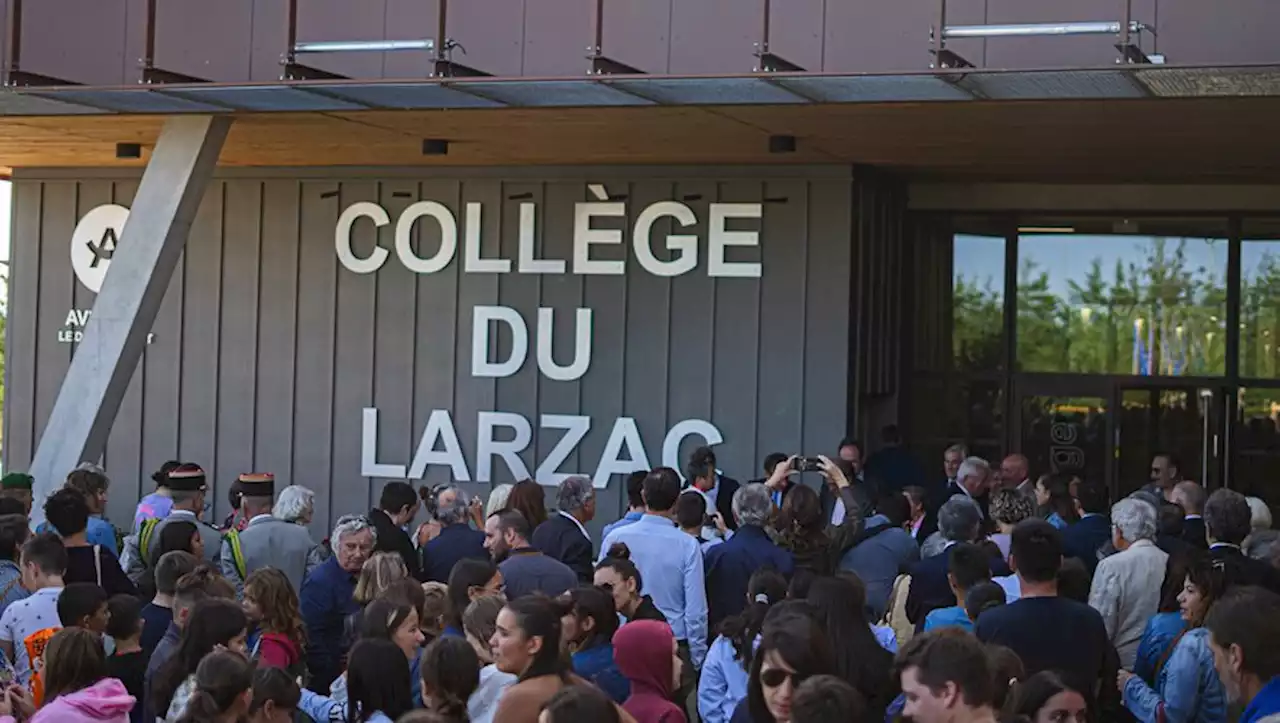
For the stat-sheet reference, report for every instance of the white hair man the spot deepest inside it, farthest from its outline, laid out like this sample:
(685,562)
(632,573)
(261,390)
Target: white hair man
(326,597)
(452,509)
(1126,586)
(564,535)
(266,541)
(295,504)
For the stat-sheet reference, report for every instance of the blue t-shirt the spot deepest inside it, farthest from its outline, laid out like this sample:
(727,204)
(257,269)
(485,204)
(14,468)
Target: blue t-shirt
(954,616)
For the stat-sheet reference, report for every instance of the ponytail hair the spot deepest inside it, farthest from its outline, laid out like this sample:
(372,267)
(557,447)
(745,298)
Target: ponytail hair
(619,560)
(274,685)
(450,674)
(221,678)
(766,587)
(539,616)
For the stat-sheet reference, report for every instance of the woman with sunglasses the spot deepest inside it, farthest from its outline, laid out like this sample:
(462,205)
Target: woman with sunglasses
(792,649)
(1187,688)
(619,576)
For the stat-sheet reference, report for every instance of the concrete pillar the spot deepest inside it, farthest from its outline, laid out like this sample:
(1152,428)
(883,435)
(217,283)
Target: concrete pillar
(150,243)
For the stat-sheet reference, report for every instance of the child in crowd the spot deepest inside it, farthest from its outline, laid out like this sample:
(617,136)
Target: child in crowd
(128,663)
(84,605)
(275,697)
(981,598)
(272,605)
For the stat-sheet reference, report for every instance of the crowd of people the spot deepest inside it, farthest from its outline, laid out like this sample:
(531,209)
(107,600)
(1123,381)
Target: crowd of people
(883,593)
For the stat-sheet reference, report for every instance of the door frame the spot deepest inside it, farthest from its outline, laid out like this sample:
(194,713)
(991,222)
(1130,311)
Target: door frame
(1111,389)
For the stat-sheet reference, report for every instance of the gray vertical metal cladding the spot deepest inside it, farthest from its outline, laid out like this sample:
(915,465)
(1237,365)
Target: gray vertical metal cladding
(267,349)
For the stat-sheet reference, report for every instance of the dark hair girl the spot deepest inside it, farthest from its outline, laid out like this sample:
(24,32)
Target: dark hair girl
(860,660)
(1045,698)
(620,577)
(275,696)
(392,620)
(587,631)
(470,579)
(528,498)
(223,689)
(377,681)
(792,649)
(578,704)
(1053,494)
(766,588)
(803,528)
(450,674)
(213,623)
(527,644)
(730,655)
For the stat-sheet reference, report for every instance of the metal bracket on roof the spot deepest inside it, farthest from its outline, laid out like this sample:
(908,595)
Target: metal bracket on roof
(1127,31)
(15,77)
(598,62)
(768,61)
(151,75)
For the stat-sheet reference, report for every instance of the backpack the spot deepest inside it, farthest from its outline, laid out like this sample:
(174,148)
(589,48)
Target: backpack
(232,538)
(145,533)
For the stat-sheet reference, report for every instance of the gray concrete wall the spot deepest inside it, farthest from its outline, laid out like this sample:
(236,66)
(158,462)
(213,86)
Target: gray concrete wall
(267,349)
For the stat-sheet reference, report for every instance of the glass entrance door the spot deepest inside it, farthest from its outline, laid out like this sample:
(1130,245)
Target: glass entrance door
(1183,420)
(1065,426)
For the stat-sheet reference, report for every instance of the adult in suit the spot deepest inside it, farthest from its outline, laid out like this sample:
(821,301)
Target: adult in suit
(452,510)
(1191,498)
(850,462)
(959,520)
(729,566)
(893,466)
(1227,522)
(973,479)
(714,486)
(941,491)
(397,506)
(1083,538)
(564,535)
(266,540)
(779,488)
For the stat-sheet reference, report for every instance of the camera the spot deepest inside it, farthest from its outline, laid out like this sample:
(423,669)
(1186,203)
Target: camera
(806,464)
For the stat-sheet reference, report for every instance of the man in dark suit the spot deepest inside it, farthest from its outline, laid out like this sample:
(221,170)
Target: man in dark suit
(729,566)
(780,488)
(850,462)
(959,520)
(717,488)
(1227,521)
(397,506)
(564,535)
(1191,498)
(1083,539)
(457,540)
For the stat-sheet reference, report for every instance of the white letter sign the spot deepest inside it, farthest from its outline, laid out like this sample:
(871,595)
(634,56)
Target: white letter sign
(342,237)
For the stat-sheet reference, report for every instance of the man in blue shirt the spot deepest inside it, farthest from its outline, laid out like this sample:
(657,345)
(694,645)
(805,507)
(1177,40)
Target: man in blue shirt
(669,561)
(729,565)
(1244,635)
(635,503)
(326,600)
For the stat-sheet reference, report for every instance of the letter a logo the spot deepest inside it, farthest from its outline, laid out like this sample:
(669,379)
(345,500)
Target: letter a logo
(93,243)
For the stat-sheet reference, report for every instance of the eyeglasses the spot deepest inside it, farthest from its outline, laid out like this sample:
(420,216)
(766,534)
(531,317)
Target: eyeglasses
(774,677)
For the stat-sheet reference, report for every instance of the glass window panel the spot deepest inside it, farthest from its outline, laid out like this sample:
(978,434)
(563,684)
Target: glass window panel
(977,303)
(1260,300)
(947,411)
(1121,297)
(1256,466)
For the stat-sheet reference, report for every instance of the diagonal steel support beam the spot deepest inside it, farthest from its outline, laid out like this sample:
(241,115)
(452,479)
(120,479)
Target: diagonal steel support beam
(150,244)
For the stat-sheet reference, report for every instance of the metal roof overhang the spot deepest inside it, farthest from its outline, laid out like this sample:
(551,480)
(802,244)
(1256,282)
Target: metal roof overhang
(1128,82)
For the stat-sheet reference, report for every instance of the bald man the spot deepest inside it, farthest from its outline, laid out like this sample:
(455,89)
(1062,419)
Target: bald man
(1015,471)
(1191,497)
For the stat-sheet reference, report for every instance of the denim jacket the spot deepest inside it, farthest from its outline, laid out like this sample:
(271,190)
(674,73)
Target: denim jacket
(1161,632)
(1187,686)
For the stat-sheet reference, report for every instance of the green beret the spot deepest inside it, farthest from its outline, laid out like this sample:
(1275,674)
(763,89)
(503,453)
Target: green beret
(17,481)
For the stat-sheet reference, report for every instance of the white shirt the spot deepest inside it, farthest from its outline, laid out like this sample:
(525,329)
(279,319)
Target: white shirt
(25,617)
(837,513)
(576,522)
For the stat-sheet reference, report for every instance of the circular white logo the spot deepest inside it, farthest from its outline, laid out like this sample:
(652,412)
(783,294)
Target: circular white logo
(94,242)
